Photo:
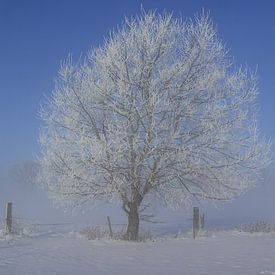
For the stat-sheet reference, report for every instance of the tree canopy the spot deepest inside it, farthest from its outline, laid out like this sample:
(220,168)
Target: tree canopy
(157,111)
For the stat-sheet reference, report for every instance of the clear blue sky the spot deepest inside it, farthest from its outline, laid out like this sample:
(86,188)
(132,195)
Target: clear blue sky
(36,35)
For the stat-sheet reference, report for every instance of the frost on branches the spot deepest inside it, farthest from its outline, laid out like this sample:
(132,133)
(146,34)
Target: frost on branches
(159,111)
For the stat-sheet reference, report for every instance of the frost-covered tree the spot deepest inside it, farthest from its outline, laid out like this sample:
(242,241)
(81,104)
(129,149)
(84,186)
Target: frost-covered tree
(157,111)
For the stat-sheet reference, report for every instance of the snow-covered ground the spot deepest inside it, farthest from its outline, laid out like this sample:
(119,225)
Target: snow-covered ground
(53,250)
(220,252)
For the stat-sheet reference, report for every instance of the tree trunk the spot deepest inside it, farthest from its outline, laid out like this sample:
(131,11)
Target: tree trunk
(133,223)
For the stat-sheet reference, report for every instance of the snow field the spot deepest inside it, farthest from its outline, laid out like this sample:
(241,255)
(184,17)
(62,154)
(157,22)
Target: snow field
(71,254)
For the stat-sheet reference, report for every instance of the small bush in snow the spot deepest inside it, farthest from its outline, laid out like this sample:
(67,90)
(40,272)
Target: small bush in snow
(97,232)
(19,229)
(145,235)
(94,232)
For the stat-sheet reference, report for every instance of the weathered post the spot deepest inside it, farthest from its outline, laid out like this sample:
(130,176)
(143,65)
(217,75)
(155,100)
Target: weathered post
(202,221)
(9,217)
(196,221)
(110,227)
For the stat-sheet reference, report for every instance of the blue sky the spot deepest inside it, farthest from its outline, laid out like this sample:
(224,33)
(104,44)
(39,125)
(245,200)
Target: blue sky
(36,35)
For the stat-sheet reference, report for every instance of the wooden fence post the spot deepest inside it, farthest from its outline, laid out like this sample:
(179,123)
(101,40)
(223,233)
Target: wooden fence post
(202,219)
(9,217)
(196,221)
(110,227)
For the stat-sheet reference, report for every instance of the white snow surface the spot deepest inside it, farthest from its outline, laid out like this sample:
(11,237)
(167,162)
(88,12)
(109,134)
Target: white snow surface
(222,252)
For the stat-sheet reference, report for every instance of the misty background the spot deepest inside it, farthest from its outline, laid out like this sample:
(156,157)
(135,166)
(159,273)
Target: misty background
(37,35)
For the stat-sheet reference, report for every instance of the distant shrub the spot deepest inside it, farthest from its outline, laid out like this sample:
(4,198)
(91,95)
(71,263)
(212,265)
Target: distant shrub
(258,227)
